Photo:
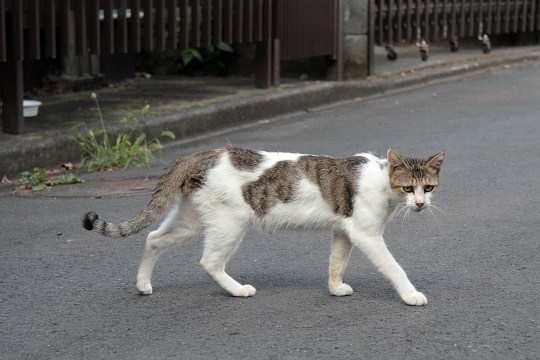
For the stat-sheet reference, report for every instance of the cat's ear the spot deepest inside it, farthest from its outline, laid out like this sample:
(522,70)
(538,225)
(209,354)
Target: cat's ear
(435,162)
(395,161)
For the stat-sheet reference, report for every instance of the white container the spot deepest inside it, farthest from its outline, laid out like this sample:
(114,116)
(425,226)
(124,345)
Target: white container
(30,108)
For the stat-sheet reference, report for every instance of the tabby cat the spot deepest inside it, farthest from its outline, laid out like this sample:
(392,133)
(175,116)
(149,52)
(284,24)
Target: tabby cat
(221,193)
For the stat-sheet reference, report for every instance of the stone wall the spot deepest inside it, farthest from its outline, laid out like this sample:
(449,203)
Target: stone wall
(355,42)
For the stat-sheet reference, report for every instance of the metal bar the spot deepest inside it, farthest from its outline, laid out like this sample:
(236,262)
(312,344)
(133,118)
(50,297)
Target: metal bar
(50,28)
(489,16)
(462,19)
(389,22)
(380,21)
(409,20)
(435,15)
(498,18)
(399,21)
(532,19)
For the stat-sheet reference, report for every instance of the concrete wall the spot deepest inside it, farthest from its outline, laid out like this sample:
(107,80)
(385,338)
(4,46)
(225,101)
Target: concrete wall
(356,44)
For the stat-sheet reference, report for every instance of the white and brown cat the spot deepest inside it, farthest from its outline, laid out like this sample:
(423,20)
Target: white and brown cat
(221,193)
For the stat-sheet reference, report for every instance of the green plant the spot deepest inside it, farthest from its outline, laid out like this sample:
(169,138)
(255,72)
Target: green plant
(129,149)
(40,178)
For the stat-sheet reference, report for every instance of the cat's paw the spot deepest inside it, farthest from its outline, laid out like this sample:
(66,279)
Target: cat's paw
(341,290)
(144,288)
(245,291)
(415,299)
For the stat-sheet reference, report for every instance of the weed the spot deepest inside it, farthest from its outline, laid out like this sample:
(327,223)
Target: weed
(40,178)
(129,149)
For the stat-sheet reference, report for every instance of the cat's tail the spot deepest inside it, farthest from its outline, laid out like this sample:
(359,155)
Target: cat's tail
(168,187)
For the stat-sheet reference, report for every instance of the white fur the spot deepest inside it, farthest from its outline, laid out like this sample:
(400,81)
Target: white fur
(220,210)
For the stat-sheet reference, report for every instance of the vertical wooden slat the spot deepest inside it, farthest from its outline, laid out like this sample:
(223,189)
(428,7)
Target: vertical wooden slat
(507,17)
(11,88)
(3,32)
(532,19)
(228,21)
(17,30)
(523,16)
(489,17)
(122,23)
(172,22)
(148,33)
(206,22)
(498,17)
(217,21)
(80,28)
(159,6)
(50,28)
(65,27)
(248,21)
(435,16)
(257,21)
(94,30)
(108,27)
(184,24)
(135,26)
(195,23)
(33,44)
(238,19)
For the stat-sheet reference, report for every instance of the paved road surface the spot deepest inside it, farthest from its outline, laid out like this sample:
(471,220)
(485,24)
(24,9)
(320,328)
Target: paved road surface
(68,293)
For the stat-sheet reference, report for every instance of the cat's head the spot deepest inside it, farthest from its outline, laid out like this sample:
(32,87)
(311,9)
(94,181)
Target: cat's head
(415,180)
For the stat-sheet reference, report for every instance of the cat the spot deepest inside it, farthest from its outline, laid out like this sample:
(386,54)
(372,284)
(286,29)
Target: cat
(223,192)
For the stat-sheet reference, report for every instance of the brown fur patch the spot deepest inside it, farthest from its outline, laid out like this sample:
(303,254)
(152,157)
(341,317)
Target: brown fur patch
(244,159)
(196,168)
(276,184)
(336,179)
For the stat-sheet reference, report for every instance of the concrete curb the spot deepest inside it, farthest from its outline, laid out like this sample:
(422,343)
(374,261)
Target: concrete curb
(57,148)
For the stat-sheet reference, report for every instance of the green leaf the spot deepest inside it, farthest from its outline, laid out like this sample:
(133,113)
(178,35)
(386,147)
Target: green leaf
(169,134)
(225,47)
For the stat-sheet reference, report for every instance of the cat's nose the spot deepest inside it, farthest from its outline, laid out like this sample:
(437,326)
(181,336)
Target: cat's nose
(419,204)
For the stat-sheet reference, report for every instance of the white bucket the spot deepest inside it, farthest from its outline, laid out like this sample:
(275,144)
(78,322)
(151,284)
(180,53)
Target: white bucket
(30,108)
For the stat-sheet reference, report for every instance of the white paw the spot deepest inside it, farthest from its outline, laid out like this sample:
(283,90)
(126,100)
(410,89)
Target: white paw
(144,288)
(245,291)
(415,299)
(341,290)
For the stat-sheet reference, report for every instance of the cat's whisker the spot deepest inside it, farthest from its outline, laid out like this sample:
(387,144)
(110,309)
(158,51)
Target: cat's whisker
(437,220)
(397,211)
(438,208)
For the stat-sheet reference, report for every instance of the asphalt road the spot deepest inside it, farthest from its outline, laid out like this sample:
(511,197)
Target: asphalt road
(68,293)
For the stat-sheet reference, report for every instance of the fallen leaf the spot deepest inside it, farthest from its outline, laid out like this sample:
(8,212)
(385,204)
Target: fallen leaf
(5,180)
(68,166)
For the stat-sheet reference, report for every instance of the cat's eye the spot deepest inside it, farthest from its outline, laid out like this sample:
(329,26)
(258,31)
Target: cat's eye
(428,188)
(408,189)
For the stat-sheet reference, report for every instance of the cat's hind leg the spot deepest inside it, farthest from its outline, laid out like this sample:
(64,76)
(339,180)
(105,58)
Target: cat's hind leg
(181,225)
(339,257)
(219,244)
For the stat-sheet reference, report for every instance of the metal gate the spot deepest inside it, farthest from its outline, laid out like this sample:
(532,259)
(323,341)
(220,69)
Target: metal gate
(423,21)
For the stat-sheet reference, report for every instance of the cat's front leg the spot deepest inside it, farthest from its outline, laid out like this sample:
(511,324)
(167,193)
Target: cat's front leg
(377,252)
(339,256)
